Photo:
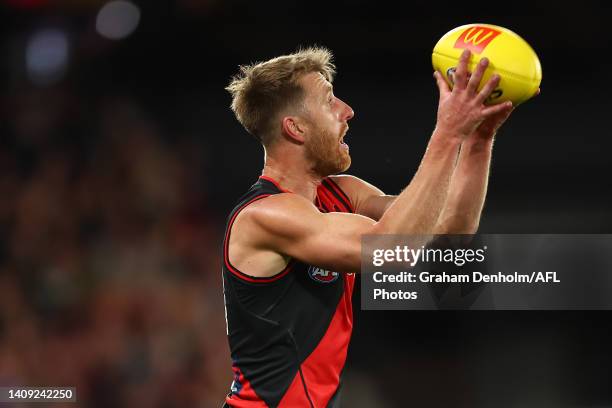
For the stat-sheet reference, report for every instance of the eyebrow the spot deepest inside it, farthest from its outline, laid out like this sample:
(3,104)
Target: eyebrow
(328,88)
(326,85)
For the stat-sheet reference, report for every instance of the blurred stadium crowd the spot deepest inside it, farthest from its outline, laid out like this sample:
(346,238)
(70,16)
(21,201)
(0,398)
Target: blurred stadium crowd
(109,271)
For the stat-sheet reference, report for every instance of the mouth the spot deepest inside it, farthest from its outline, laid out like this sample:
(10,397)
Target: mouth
(342,142)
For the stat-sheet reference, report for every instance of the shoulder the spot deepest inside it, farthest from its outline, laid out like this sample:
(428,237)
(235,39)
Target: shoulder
(284,214)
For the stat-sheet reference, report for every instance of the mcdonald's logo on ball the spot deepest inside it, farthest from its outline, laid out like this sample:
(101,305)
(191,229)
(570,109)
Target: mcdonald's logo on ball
(476,38)
(510,56)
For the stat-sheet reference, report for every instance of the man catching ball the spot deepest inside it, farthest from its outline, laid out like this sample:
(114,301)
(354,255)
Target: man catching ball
(293,241)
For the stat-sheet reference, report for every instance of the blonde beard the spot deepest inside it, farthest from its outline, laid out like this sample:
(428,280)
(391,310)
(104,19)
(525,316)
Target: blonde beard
(323,151)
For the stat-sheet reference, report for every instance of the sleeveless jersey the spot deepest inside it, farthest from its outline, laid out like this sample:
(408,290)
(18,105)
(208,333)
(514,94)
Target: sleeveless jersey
(288,333)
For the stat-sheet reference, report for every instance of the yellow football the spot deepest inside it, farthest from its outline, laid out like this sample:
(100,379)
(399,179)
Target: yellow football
(509,56)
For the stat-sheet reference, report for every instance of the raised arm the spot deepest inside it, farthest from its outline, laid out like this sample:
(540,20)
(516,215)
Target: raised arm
(468,185)
(469,182)
(290,225)
(468,188)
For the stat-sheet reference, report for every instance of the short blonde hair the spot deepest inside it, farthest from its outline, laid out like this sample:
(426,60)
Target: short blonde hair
(262,90)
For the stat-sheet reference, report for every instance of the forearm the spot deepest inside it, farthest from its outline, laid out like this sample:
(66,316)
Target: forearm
(461,113)
(417,209)
(468,189)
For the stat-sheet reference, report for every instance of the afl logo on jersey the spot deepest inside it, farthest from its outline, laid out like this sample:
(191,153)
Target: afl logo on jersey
(321,275)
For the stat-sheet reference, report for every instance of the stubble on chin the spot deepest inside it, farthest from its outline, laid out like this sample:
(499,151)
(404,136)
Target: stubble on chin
(325,154)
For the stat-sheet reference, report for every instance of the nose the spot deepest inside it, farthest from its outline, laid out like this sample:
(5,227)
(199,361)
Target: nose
(347,111)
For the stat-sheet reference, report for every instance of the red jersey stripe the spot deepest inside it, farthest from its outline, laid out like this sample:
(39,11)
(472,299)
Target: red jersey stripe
(324,365)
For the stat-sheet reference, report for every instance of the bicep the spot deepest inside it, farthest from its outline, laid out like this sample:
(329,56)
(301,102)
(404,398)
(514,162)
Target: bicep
(335,245)
(329,240)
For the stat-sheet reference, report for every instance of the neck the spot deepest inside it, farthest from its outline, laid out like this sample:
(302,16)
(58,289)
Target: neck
(292,172)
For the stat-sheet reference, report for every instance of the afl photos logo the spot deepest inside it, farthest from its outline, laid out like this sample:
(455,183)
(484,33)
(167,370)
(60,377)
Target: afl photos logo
(321,275)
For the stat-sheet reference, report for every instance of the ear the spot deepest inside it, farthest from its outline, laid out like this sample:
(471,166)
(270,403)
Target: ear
(294,129)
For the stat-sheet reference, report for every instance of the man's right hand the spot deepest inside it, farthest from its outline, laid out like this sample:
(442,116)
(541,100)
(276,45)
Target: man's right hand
(462,109)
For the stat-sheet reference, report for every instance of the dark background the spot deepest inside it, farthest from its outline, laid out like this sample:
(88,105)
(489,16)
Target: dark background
(116,176)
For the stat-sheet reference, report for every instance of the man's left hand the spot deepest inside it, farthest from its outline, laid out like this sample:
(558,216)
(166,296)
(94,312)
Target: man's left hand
(488,128)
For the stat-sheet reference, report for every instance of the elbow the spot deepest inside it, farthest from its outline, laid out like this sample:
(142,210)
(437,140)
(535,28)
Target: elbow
(375,229)
(351,263)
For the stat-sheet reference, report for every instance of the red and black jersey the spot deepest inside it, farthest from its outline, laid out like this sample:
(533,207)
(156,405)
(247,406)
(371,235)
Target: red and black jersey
(288,333)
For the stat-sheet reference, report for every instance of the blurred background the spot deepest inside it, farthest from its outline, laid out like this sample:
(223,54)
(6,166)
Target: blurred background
(120,159)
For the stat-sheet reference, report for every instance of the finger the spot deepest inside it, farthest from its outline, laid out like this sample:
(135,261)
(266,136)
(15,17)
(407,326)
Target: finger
(507,114)
(474,81)
(488,88)
(497,109)
(462,71)
(502,116)
(537,92)
(442,84)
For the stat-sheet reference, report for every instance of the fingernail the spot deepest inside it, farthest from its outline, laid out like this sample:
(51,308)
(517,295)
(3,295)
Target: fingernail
(484,61)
